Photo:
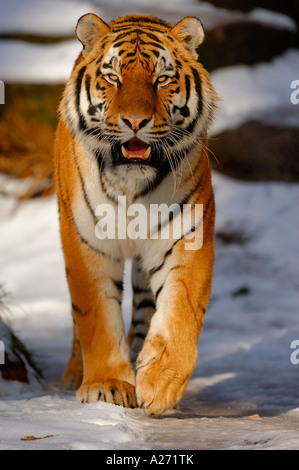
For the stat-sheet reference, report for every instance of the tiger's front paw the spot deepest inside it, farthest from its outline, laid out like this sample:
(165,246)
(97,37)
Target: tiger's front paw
(162,375)
(110,391)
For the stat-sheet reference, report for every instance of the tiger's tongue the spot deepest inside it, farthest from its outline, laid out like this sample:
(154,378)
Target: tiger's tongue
(136,148)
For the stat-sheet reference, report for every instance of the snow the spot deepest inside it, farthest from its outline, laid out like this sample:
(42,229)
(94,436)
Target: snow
(34,63)
(244,392)
(271,18)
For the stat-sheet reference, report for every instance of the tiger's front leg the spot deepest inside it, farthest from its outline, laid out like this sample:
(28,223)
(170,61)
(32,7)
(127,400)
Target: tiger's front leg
(95,283)
(168,358)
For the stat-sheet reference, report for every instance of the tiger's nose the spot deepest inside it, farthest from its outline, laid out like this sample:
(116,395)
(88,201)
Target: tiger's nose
(136,122)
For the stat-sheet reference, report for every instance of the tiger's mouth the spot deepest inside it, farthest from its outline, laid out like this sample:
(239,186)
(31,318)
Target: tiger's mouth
(136,150)
(136,153)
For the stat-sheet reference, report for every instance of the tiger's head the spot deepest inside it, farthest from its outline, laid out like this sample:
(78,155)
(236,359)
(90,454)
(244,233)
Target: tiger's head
(138,96)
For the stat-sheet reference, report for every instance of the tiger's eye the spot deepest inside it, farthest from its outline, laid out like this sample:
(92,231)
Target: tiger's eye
(113,77)
(162,79)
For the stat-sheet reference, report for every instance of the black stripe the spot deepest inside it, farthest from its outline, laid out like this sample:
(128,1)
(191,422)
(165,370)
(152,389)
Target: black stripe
(139,335)
(197,81)
(160,133)
(132,54)
(87,87)
(94,131)
(138,32)
(92,108)
(82,123)
(155,270)
(118,44)
(130,30)
(141,290)
(99,159)
(151,36)
(143,19)
(99,87)
(86,199)
(158,292)
(83,240)
(122,36)
(140,41)
(184,110)
(145,55)
(141,321)
(103,186)
(147,303)
(193,190)
(156,53)
(187,84)
(130,62)
(77,310)
(155,44)
(64,201)
(177,90)
(122,28)
(119,285)
(149,21)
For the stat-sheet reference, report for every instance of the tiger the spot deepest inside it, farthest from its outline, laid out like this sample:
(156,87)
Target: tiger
(133,122)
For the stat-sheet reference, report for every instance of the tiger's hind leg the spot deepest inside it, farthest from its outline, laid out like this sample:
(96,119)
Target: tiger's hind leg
(143,310)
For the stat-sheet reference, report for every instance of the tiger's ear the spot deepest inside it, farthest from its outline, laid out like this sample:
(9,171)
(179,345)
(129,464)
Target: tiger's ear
(190,32)
(89,29)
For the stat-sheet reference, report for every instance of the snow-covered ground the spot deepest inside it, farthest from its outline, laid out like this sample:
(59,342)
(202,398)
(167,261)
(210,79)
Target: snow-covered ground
(244,393)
